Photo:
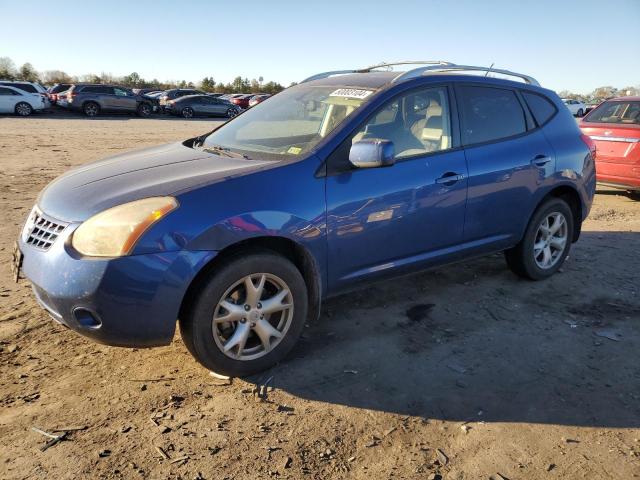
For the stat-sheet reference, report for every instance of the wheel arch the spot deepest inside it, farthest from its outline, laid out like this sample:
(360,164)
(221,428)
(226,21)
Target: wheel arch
(15,107)
(296,253)
(90,101)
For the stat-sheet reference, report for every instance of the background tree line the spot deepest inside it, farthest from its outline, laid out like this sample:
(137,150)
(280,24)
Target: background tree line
(26,72)
(9,71)
(601,93)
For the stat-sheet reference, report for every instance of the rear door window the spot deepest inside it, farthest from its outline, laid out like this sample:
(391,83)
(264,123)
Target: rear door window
(98,89)
(489,113)
(7,91)
(541,107)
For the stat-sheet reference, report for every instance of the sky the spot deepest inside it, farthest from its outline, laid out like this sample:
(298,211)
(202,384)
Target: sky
(576,45)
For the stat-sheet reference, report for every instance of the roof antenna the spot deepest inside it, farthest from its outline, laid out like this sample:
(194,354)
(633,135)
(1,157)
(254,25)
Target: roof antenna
(489,69)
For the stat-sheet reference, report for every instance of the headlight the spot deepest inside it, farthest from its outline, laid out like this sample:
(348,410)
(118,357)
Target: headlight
(114,232)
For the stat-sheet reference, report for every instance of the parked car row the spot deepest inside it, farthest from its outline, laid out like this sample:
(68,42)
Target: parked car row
(23,98)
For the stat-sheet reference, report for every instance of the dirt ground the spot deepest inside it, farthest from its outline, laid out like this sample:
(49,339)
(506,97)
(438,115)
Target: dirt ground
(464,372)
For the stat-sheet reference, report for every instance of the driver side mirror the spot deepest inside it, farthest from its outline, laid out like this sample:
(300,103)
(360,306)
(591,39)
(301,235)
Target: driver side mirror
(372,153)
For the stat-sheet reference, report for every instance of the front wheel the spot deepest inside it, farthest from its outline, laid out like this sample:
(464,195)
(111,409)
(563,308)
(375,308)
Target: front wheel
(24,109)
(247,315)
(546,242)
(232,112)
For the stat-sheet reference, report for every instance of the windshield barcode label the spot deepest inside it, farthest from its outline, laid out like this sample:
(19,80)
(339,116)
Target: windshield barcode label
(351,93)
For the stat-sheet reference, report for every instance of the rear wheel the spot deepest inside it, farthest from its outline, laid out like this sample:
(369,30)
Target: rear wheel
(144,110)
(23,109)
(247,316)
(91,109)
(546,242)
(187,112)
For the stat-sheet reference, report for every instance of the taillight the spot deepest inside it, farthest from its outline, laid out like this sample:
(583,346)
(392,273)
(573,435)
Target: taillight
(590,144)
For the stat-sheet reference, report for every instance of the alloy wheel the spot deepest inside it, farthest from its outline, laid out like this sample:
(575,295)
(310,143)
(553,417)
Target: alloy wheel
(187,113)
(550,240)
(253,316)
(23,109)
(91,110)
(232,112)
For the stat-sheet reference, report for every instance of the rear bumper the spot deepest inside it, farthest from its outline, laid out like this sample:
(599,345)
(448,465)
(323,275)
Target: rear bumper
(130,301)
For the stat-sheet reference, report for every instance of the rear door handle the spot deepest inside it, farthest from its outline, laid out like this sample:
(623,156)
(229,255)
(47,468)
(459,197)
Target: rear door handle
(450,178)
(540,160)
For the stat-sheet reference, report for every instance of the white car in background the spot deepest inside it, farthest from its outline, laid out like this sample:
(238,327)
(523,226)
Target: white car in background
(29,87)
(576,107)
(14,100)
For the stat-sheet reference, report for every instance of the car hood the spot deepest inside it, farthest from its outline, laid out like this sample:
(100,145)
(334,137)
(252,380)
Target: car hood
(156,171)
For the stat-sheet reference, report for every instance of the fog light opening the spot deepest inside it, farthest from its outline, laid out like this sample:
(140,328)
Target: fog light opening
(86,318)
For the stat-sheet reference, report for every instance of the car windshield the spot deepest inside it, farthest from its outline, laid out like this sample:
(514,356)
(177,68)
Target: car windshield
(616,112)
(291,123)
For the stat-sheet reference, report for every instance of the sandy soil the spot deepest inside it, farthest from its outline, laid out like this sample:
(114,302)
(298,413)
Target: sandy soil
(463,372)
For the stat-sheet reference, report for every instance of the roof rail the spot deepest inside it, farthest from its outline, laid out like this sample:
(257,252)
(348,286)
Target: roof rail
(405,62)
(430,66)
(368,69)
(416,72)
(327,74)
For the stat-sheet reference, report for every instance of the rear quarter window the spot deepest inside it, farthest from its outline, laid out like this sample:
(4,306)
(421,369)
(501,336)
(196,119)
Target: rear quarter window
(489,113)
(541,108)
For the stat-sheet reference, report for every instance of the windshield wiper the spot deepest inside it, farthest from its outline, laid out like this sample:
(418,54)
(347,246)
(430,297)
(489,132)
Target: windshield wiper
(220,150)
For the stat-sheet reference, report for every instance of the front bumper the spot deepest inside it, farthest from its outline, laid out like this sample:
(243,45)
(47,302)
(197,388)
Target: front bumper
(130,301)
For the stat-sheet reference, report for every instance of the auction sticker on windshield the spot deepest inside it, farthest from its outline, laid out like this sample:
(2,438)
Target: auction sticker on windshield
(351,93)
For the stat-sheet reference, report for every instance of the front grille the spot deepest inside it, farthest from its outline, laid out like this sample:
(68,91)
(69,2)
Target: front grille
(41,232)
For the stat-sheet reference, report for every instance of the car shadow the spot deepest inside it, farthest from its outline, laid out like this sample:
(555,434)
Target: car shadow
(613,192)
(472,342)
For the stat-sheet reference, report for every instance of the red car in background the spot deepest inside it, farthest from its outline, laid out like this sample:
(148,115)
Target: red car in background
(242,101)
(258,99)
(614,126)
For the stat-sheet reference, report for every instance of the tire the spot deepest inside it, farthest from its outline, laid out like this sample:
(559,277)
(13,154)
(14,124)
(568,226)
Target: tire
(580,113)
(144,110)
(527,262)
(23,109)
(187,112)
(208,339)
(91,109)
(232,112)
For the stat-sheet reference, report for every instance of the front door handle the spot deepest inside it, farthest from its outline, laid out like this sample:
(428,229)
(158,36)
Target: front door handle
(540,160)
(450,178)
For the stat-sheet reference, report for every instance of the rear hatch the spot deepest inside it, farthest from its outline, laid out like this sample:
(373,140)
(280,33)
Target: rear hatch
(614,126)
(615,143)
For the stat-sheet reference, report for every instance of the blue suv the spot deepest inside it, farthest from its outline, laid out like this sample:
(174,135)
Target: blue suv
(346,178)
